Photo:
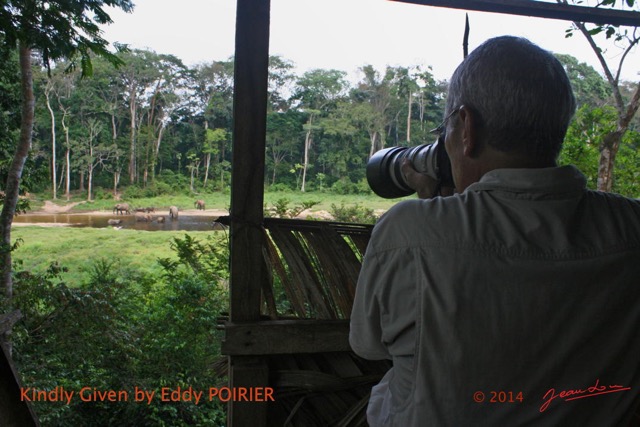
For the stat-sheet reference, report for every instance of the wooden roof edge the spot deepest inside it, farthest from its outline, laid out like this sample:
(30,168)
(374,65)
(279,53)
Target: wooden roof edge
(541,10)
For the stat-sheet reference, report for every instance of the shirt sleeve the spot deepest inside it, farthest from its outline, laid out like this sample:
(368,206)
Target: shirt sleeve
(365,335)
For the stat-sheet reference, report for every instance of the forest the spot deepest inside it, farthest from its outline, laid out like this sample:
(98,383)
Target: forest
(154,126)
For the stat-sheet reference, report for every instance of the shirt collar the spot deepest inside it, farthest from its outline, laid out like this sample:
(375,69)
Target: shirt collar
(553,180)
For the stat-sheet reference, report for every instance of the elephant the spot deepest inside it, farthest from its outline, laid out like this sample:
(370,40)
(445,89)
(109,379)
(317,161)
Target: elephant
(121,209)
(150,210)
(199,204)
(173,212)
(143,217)
(160,220)
(114,221)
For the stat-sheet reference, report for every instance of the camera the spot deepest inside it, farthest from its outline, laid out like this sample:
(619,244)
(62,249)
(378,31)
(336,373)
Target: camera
(385,175)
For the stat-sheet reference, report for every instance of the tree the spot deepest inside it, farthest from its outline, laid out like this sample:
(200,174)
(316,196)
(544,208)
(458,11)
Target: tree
(627,38)
(215,140)
(280,77)
(57,30)
(316,90)
(589,87)
(375,91)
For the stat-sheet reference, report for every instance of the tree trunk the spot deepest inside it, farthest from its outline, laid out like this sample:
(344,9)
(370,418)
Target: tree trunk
(67,160)
(132,154)
(307,146)
(611,143)
(14,174)
(156,152)
(53,141)
(114,141)
(90,183)
(116,181)
(608,153)
(409,119)
(67,153)
(207,163)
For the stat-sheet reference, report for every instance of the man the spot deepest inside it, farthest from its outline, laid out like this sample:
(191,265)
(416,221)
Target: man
(515,301)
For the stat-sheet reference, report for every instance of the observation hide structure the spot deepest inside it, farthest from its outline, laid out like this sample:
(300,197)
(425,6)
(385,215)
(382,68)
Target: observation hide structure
(304,354)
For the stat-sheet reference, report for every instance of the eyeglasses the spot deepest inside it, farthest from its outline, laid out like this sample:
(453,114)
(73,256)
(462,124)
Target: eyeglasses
(442,126)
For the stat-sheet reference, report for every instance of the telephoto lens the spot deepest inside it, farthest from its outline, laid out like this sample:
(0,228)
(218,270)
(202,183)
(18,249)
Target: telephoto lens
(384,172)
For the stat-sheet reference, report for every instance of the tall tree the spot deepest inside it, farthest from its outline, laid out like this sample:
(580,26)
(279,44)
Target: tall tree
(316,90)
(280,79)
(628,38)
(56,29)
(375,90)
(589,87)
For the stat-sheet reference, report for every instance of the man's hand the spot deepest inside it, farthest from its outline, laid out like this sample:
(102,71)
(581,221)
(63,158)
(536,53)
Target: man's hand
(425,186)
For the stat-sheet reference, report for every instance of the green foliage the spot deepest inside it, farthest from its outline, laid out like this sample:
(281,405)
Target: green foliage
(281,208)
(589,86)
(626,173)
(353,213)
(120,330)
(345,186)
(582,142)
(61,30)
(582,149)
(22,206)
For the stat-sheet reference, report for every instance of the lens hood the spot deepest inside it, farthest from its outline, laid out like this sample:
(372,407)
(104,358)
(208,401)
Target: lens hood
(384,174)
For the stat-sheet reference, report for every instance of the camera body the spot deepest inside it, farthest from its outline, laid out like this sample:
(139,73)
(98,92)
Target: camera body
(384,172)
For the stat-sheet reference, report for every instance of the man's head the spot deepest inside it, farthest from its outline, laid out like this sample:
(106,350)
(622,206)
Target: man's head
(509,105)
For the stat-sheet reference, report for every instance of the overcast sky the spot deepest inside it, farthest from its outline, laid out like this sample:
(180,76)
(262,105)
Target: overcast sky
(341,34)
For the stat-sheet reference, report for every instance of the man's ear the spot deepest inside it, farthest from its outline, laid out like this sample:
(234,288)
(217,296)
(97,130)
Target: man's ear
(469,121)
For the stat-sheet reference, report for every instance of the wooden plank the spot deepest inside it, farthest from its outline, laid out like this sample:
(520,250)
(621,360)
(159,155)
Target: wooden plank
(540,10)
(247,175)
(250,373)
(286,337)
(13,411)
(247,268)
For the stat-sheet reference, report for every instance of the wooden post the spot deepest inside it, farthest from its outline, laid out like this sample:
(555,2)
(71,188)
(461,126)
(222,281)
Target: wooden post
(14,412)
(247,195)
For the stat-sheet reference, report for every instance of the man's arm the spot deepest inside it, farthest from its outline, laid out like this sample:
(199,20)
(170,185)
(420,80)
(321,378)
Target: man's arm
(365,335)
(425,186)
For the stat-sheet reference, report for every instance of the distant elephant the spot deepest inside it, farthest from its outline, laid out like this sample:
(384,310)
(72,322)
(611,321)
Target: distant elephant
(143,217)
(173,212)
(199,204)
(160,220)
(121,209)
(150,210)
(114,221)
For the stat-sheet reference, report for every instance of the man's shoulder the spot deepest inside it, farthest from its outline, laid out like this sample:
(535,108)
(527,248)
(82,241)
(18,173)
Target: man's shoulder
(410,221)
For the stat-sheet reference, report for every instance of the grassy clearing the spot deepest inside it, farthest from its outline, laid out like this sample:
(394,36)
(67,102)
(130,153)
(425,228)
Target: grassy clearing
(79,248)
(222,201)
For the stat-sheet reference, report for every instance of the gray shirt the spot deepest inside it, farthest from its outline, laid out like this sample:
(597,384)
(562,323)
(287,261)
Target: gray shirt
(516,302)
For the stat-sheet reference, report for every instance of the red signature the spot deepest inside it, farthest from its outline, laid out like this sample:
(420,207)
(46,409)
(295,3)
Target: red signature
(567,395)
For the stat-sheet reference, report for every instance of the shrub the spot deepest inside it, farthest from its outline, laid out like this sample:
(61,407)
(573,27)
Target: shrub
(122,330)
(354,213)
(344,186)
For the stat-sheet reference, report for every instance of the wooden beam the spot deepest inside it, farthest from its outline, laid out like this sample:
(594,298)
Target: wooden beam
(247,174)
(247,193)
(286,337)
(14,412)
(541,10)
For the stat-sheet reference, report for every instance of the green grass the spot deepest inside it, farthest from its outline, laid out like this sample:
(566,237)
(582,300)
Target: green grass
(79,248)
(218,200)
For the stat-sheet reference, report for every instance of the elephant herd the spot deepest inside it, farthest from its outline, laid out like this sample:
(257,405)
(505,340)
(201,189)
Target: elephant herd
(145,214)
